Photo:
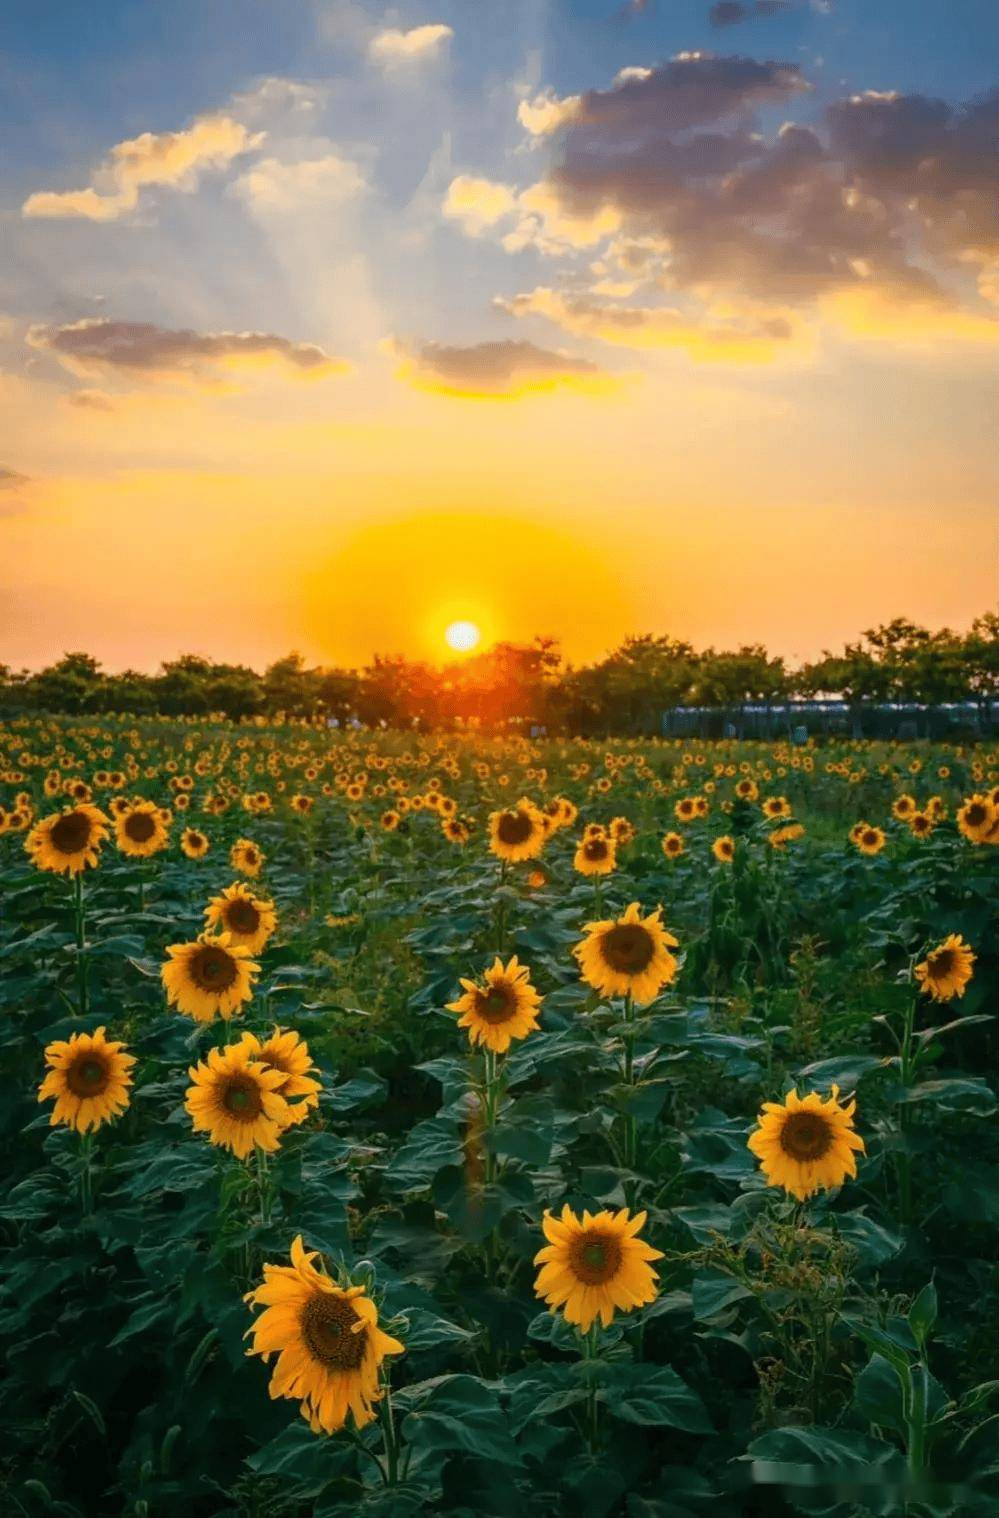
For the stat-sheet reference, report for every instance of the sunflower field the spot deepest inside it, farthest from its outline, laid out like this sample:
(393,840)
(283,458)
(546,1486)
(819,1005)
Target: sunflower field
(405,1123)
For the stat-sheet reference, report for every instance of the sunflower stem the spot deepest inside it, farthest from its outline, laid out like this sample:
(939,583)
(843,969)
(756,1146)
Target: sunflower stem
(81,943)
(907,1073)
(86,1174)
(389,1435)
(630,1122)
(501,910)
(591,1352)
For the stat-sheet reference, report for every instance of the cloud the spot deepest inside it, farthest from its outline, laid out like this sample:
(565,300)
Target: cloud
(11,479)
(478,203)
(888,199)
(90,400)
(730,336)
(392,46)
(98,346)
(734,12)
(492,369)
(546,113)
(174,159)
(273,185)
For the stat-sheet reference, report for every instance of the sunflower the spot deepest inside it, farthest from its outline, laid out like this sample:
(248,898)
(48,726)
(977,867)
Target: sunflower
(946,970)
(806,1144)
(235,1100)
(673,845)
(246,857)
(628,956)
(903,807)
(454,830)
(327,1340)
(621,830)
(248,919)
(724,849)
(685,809)
(139,830)
(208,978)
(389,821)
(503,1007)
(517,833)
(67,842)
(194,843)
(747,790)
(870,840)
(776,806)
(921,824)
(89,1077)
(975,818)
(596,1265)
(595,856)
(286,1052)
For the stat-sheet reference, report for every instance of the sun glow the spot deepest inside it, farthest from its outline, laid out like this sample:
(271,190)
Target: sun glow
(462,636)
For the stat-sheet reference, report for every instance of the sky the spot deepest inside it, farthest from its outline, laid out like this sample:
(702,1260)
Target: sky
(325,323)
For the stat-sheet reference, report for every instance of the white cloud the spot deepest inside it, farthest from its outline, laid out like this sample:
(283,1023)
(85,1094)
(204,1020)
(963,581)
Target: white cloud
(175,159)
(546,113)
(478,203)
(393,46)
(271,185)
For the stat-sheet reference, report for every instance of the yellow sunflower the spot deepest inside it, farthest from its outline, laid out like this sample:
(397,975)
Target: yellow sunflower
(628,956)
(870,840)
(975,818)
(517,833)
(194,843)
(947,969)
(724,849)
(140,830)
(903,807)
(211,977)
(389,821)
(235,1100)
(69,842)
(286,1052)
(673,845)
(595,856)
(594,1266)
(326,1337)
(89,1077)
(247,857)
(503,1007)
(776,806)
(248,919)
(806,1144)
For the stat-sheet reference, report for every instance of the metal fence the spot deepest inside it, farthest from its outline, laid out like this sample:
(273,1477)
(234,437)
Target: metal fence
(800,720)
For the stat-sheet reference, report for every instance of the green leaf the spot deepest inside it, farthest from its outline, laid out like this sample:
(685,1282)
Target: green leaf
(654,1395)
(713,1291)
(461,1413)
(968,1094)
(844,1070)
(923,1314)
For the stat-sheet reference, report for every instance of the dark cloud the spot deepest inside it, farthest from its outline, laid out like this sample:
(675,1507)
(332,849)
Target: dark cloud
(733,12)
(888,191)
(141,348)
(491,368)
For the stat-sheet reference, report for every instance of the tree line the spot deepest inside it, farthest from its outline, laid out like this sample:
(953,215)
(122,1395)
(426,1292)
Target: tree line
(626,691)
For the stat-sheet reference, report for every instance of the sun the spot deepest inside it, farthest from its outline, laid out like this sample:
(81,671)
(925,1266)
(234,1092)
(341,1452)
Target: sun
(462,636)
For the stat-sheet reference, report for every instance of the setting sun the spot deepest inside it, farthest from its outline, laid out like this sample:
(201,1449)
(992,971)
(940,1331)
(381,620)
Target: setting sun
(462,636)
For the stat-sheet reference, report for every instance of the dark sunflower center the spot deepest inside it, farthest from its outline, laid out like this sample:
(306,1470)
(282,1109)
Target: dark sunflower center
(140,827)
(242,1099)
(870,838)
(497,1005)
(942,963)
(88,1075)
(596,849)
(595,1257)
(241,915)
(514,827)
(806,1136)
(327,1328)
(975,815)
(71,833)
(212,969)
(628,947)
